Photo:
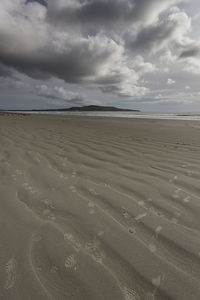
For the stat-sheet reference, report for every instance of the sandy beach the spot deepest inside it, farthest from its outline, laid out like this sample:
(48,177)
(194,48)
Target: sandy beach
(99,208)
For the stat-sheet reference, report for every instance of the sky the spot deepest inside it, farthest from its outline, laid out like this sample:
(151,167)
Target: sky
(139,54)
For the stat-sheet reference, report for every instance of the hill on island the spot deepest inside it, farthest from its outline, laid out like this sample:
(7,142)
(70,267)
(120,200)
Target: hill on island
(77,109)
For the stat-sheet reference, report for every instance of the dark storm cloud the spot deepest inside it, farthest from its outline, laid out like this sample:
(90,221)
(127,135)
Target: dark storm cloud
(42,2)
(5,71)
(191,52)
(105,13)
(154,37)
(92,12)
(77,61)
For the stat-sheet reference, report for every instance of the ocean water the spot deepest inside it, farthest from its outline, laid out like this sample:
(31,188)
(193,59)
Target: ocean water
(130,115)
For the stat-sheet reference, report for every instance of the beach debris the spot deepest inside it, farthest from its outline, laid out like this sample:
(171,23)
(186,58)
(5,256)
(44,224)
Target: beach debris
(140,216)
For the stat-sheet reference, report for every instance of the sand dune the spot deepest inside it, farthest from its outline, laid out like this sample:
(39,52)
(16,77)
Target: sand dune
(99,209)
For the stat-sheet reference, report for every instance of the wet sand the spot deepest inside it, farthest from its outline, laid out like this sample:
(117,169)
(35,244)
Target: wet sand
(98,208)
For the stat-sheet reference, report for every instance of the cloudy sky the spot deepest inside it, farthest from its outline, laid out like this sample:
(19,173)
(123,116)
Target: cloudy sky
(142,54)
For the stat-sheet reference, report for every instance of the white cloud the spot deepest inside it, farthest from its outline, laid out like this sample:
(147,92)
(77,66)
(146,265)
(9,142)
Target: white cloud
(159,35)
(170,81)
(192,65)
(58,92)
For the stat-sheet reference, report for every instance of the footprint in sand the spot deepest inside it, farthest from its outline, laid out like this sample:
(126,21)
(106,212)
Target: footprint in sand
(176,194)
(54,270)
(65,162)
(72,188)
(93,250)
(70,262)
(100,233)
(130,294)
(190,173)
(74,173)
(187,199)
(29,188)
(93,192)
(126,215)
(152,247)
(63,277)
(61,175)
(11,270)
(177,214)
(2,158)
(150,296)
(75,244)
(19,172)
(173,179)
(132,230)
(158,280)
(158,230)
(141,203)
(174,220)
(14,176)
(47,213)
(186,165)
(91,206)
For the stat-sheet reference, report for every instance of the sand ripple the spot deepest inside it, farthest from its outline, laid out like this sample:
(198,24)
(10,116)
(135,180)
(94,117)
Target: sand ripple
(99,209)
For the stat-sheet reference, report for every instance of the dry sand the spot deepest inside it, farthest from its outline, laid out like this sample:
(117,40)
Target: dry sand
(96,208)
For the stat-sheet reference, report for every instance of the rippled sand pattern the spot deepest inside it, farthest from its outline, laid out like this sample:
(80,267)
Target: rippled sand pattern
(99,209)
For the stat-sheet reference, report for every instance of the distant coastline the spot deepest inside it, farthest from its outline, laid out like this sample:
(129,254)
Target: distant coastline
(81,108)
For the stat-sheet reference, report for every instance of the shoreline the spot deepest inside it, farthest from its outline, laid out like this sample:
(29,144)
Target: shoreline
(106,114)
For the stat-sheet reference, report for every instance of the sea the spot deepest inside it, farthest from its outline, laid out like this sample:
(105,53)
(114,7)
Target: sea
(123,114)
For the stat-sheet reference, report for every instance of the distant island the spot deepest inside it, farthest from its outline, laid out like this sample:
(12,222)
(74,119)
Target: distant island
(81,108)
(93,108)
